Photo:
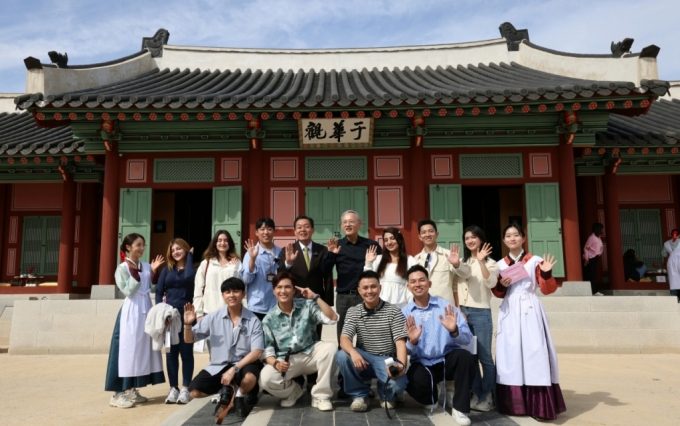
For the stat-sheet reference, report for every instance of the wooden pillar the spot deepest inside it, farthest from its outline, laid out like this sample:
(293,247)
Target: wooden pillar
(613,231)
(255,190)
(68,226)
(109,240)
(569,211)
(5,188)
(418,190)
(88,228)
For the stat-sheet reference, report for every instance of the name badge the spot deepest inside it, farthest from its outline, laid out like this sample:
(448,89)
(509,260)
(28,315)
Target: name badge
(270,277)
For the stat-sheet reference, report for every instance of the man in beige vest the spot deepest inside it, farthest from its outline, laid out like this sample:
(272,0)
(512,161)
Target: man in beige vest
(441,264)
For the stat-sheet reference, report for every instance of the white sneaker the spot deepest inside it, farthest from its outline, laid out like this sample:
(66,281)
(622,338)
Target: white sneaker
(460,418)
(184,396)
(598,294)
(215,398)
(172,396)
(358,405)
(119,400)
(449,398)
(401,397)
(390,404)
(322,404)
(293,397)
(485,405)
(135,397)
(473,401)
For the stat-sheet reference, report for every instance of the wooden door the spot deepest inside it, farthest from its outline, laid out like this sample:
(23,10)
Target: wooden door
(544,223)
(226,212)
(135,215)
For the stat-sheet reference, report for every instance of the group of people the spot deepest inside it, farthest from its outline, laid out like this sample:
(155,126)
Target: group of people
(634,268)
(411,317)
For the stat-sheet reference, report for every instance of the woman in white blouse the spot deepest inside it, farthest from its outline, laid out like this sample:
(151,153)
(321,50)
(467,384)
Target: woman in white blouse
(220,262)
(391,267)
(474,294)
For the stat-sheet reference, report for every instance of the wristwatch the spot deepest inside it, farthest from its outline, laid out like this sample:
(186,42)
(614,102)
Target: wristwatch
(236,369)
(315,298)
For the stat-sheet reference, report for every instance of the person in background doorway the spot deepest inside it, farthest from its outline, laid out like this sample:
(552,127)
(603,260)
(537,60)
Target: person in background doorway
(220,262)
(303,259)
(176,286)
(673,268)
(633,268)
(474,295)
(591,254)
(260,266)
(348,255)
(391,267)
(132,361)
(527,379)
(670,245)
(442,265)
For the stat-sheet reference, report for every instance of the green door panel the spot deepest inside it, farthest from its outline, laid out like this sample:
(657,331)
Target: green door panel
(446,210)
(226,212)
(544,223)
(135,215)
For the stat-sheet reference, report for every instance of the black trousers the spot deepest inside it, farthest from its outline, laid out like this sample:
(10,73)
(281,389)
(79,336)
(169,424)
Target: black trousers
(459,365)
(590,272)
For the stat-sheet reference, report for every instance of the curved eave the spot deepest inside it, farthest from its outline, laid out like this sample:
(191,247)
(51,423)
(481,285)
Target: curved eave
(19,136)
(660,126)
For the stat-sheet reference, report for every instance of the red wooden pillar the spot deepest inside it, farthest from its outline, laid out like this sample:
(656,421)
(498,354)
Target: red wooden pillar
(109,241)
(4,190)
(418,190)
(88,228)
(68,226)
(255,190)
(613,231)
(570,233)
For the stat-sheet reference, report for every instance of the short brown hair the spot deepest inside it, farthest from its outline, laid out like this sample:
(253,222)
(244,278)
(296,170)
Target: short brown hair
(283,275)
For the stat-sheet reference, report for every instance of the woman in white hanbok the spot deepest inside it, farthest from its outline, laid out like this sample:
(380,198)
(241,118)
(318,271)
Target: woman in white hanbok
(527,380)
(391,267)
(673,266)
(132,362)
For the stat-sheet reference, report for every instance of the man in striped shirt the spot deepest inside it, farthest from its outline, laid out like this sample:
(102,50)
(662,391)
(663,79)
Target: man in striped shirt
(380,329)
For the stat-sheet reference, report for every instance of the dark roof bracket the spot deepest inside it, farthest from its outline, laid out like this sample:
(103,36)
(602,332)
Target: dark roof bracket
(651,51)
(618,49)
(155,44)
(513,36)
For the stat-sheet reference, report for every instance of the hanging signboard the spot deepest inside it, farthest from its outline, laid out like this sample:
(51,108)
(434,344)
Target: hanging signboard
(336,132)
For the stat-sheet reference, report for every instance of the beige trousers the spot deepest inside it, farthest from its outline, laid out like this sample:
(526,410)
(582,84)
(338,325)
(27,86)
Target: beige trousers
(321,360)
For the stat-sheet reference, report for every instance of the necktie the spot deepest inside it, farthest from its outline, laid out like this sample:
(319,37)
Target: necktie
(304,252)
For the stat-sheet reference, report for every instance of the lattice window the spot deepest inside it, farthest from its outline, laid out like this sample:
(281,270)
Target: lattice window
(491,166)
(336,168)
(40,247)
(184,170)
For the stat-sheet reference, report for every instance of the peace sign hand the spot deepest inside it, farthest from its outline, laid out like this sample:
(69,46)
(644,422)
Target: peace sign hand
(484,252)
(413,331)
(454,255)
(450,319)
(251,248)
(548,262)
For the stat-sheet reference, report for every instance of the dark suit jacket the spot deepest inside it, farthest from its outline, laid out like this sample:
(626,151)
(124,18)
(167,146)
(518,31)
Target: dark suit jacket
(314,278)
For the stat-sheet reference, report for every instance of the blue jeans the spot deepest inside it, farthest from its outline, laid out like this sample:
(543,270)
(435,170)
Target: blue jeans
(481,325)
(172,362)
(354,379)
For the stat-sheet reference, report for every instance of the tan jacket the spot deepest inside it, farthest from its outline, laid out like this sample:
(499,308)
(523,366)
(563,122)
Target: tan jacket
(474,291)
(442,273)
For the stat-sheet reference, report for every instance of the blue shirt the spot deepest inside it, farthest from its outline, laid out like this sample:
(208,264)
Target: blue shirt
(260,292)
(229,342)
(177,286)
(435,341)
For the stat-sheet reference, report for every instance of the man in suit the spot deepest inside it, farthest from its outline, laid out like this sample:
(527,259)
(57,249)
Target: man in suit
(303,259)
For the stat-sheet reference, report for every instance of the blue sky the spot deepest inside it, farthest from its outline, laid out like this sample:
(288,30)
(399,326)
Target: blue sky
(95,31)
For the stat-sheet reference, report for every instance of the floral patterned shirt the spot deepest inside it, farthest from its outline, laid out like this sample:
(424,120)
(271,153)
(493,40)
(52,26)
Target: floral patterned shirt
(295,332)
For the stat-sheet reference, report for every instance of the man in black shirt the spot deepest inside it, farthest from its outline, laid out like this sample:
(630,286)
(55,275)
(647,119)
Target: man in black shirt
(348,255)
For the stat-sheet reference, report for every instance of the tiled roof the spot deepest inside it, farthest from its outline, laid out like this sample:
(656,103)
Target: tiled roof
(19,135)
(660,126)
(268,88)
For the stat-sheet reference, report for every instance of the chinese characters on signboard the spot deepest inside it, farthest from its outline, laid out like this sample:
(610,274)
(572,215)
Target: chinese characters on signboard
(335,132)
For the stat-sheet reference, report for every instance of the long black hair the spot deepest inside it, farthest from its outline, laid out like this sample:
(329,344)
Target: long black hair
(402,265)
(477,232)
(212,252)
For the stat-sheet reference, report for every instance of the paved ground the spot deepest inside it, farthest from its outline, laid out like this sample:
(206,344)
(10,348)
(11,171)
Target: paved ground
(598,389)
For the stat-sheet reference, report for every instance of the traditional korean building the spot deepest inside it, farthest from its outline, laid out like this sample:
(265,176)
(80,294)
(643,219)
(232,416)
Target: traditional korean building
(182,141)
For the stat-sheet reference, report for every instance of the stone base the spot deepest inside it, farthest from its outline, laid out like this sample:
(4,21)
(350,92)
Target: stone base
(571,288)
(636,292)
(106,292)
